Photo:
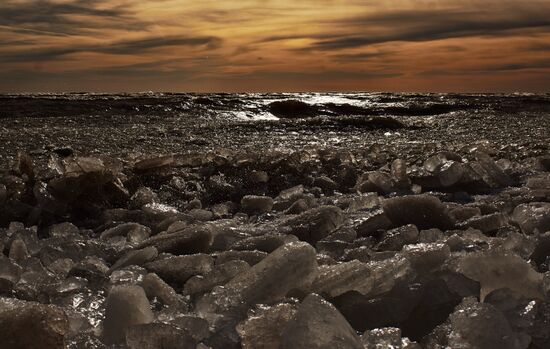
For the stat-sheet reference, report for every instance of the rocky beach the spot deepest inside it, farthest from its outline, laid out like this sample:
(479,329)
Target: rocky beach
(256,221)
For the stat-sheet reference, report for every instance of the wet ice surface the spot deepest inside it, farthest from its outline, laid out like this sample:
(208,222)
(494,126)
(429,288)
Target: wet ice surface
(153,123)
(369,220)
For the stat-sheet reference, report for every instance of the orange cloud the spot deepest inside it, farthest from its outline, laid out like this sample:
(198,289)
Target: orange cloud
(268,45)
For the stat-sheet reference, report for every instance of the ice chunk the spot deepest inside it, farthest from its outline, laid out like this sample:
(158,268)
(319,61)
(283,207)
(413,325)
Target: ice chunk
(287,197)
(10,273)
(91,268)
(426,257)
(178,269)
(297,207)
(462,213)
(430,235)
(189,240)
(317,325)
(366,278)
(155,287)
(31,325)
(395,239)
(387,338)
(424,211)
(315,224)
(399,173)
(143,196)
(495,269)
(3,194)
(154,163)
(264,329)
(250,257)
(482,326)
(156,336)
(450,173)
(125,306)
(533,217)
(258,177)
(490,172)
(197,327)
(253,204)
(267,243)
(132,231)
(326,184)
(220,275)
(373,223)
(63,230)
(291,266)
(488,223)
(416,306)
(135,257)
(18,251)
(381,181)
(363,202)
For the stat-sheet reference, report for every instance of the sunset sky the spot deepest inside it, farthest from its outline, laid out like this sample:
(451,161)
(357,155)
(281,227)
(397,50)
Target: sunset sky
(275,45)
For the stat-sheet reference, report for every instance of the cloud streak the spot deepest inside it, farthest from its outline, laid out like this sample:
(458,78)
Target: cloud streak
(129,47)
(417,26)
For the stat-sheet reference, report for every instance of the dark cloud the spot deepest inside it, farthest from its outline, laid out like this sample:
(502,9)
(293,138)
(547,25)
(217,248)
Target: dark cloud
(427,25)
(129,47)
(327,75)
(539,46)
(51,18)
(541,64)
(536,64)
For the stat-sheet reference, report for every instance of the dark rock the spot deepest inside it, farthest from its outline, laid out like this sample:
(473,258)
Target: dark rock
(63,151)
(292,109)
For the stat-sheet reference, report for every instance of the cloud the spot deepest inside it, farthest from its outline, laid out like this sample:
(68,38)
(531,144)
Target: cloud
(427,25)
(47,17)
(360,57)
(128,47)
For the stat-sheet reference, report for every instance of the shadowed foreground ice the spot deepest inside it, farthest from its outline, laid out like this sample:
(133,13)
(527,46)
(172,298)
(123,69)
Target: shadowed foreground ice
(379,246)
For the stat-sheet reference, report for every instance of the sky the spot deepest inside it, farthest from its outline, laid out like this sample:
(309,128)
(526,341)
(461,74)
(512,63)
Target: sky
(274,45)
